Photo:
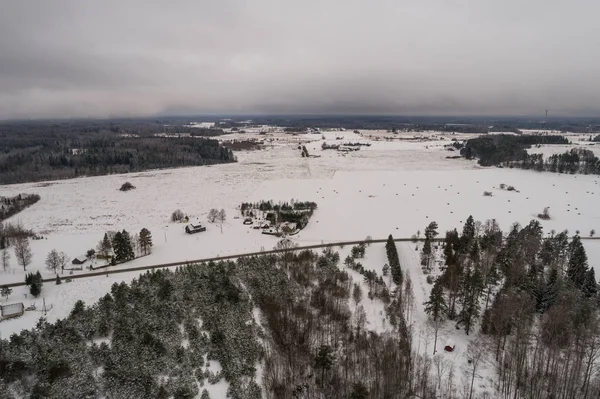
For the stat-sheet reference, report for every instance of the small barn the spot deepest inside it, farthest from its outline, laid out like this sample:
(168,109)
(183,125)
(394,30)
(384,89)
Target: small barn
(449,347)
(193,228)
(80,260)
(12,310)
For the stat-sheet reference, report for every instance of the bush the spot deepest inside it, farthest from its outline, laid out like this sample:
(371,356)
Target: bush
(430,279)
(127,186)
(545,215)
(487,193)
(177,216)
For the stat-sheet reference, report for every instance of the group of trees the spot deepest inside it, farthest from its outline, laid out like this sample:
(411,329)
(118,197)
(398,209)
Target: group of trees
(502,148)
(56,260)
(535,297)
(511,151)
(35,282)
(57,151)
(10,206)
(120,247)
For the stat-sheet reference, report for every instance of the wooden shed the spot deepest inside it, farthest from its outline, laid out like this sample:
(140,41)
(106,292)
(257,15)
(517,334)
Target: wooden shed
(12,310)
(80,260)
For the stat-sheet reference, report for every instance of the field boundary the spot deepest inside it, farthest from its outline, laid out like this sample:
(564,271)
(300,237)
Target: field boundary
(234,256)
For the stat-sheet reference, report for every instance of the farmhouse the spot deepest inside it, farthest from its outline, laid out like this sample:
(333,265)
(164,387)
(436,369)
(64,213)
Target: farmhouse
(12,310)
(80,260)
(193,228)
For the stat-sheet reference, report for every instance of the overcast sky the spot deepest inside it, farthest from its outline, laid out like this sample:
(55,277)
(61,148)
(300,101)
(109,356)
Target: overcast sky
(76,58)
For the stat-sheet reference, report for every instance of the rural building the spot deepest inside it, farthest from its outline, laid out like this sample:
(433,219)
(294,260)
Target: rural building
(80,260)
(194,228)
(12,310)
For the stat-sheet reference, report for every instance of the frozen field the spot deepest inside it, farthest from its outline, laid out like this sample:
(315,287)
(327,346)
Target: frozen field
(393,187)
(397,185)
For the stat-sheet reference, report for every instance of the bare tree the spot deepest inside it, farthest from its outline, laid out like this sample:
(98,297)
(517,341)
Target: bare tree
(53,261)
(474,355)
(23,252)
(63,260)
(5,257)
(212,215)
(221,216)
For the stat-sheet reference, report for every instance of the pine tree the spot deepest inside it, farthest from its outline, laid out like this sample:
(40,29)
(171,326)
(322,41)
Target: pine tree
(119,248)
(393,260)
(436,308)
(105,246)
(468,234)
(58,280)
(590,285)
(359,391)
(324,360)
(578,263)
(35,288)
(145,240)
(129,254)
(469,298)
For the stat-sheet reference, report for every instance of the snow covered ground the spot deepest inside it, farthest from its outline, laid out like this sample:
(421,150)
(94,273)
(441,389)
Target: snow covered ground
(397,185)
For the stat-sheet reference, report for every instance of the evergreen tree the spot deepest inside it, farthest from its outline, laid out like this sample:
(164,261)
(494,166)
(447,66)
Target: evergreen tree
(122,247)
(578,262)
(393,260)
(128,245)
(469,298)
(105,246)
(35,288)
(436,308)
(145,239)
(58,281)
(468,234)
(590,285)
(324,360)
(359,391)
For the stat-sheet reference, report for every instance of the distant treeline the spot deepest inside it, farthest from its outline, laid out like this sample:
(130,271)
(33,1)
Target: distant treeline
(457,124)
(498,149)
(510,151)
(576,160)
(36,152)
(10,206)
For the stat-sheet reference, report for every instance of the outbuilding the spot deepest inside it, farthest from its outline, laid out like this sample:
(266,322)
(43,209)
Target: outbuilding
(12,310)
(80,260)
(193,228)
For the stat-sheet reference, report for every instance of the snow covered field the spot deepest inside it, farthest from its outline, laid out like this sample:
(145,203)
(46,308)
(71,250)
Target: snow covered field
(395,187)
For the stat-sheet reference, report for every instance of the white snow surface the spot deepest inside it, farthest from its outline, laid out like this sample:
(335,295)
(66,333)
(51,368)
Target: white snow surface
(397,185)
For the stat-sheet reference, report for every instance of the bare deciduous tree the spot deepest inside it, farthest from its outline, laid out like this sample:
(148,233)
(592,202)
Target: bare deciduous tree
(23,252)
(5,257)
(221,216)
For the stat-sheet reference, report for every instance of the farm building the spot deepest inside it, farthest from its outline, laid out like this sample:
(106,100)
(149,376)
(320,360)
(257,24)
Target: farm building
(194,228)
(80,260)
(12,310)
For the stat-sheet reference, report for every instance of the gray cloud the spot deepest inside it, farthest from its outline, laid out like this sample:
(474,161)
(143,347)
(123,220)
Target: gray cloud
(64,58)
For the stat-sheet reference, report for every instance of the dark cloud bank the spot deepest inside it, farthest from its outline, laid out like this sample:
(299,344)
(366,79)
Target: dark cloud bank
(75,58)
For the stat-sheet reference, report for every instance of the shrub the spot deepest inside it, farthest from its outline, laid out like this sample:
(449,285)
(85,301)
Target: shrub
(487,193)
(430,279)
(545,215)
(177,216)
(127,186)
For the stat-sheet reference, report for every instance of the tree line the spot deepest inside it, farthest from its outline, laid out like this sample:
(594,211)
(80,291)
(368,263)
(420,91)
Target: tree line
(45,153)
(534,298)
(10,206)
